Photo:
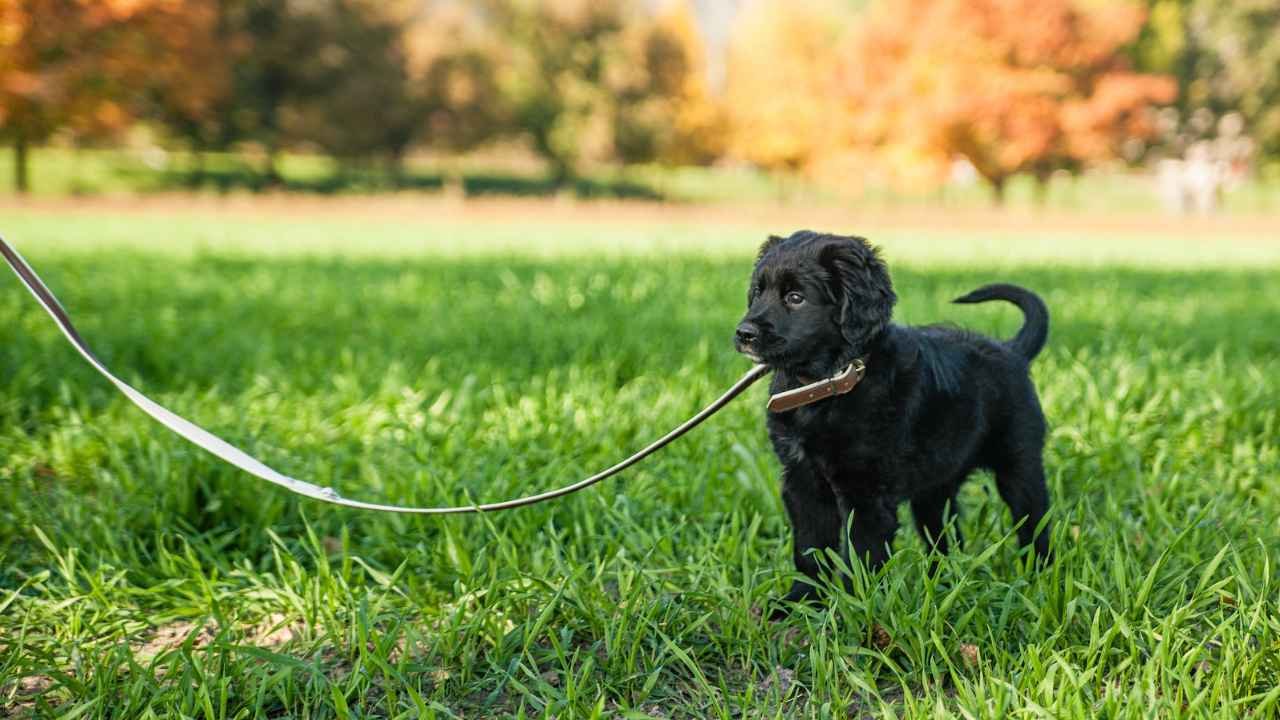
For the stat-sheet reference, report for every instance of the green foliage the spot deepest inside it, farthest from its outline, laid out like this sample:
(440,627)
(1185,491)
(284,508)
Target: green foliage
(1238,67)
(332,75)
(1226,56)
(456,84)
(591,82)
(563,56)
(440,362)
(360,99)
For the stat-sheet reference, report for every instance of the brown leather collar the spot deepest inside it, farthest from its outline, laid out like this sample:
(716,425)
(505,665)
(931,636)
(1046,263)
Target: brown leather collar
(837,384)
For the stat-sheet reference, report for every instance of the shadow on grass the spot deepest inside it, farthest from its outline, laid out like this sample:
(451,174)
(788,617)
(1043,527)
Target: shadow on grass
(475,184)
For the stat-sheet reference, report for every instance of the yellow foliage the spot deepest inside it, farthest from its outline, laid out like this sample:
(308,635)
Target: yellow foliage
(699,125)
(779,93)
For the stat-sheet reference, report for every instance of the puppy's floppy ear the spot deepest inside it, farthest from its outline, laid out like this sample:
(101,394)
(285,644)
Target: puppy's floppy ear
(862,285)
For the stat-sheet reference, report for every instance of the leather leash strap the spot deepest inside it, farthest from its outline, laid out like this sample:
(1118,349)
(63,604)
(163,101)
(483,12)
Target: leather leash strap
(838,384)
(237,457)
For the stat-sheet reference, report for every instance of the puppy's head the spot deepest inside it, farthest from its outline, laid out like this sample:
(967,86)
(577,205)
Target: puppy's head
(815,301)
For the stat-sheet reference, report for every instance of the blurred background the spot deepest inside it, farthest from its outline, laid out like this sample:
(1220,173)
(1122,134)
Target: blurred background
(434,252)
(1153,106)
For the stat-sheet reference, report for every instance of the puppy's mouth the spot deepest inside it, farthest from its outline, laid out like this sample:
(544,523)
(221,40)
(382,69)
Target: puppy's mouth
(751,352)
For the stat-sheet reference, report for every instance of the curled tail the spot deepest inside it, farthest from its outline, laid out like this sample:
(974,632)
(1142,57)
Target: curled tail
(1035,329)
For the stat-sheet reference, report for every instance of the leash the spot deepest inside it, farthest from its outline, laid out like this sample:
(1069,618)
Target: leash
(246,462)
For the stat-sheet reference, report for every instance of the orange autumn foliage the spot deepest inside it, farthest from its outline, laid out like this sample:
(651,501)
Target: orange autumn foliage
(88,65)
(1013,86)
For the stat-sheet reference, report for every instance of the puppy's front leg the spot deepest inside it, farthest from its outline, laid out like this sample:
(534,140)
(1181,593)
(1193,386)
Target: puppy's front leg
(875,521)
(816,523)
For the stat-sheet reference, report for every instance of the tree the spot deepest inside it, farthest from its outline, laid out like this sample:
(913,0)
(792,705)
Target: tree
(283,46)
(780,85)
(329,74)
(70,64)
(1225,55)
(566,67)
(1013,86)
(585,79)
(454,66)
(667,112)
(190,91)
(355,99)
(402,76)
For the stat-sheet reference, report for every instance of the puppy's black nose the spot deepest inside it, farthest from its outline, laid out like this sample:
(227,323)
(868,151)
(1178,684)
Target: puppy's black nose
(748,333)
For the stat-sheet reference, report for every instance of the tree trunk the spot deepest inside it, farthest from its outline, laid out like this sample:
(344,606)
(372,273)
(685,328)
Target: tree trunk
(395,169)
(1042,190)
(272,170)
(560,169)
(998,187)
(562,174)
(21,178)
(197,176)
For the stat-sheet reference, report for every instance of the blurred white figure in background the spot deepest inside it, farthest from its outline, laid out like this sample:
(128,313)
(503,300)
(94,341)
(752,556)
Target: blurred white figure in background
(962,173)
(1209,166)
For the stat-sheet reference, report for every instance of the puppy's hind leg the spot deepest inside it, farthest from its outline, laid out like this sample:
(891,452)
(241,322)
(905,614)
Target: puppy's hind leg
(816,524)
(1020,480)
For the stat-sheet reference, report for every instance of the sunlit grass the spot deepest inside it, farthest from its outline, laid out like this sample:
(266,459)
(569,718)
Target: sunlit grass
(408,229)
(450,362)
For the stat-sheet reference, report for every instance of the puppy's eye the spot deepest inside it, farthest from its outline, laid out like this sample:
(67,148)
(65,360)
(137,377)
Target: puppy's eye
(793,298)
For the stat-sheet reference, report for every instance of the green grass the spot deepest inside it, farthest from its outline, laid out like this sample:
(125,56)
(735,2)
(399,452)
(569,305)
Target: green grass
(141,578)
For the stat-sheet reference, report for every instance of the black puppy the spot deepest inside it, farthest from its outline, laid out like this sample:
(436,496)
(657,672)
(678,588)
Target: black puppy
(936,403)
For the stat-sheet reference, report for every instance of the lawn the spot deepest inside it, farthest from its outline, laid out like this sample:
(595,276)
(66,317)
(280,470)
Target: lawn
(416,360)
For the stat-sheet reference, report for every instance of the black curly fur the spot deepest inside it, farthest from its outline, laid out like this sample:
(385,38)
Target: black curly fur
(936,403)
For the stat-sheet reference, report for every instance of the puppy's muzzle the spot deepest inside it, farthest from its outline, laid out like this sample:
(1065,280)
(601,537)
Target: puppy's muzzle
(747,339)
